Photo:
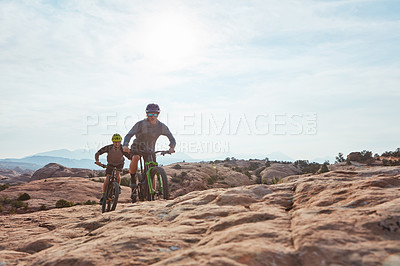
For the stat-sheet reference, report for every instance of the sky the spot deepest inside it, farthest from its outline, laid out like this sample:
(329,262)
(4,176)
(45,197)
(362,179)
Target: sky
(233,78)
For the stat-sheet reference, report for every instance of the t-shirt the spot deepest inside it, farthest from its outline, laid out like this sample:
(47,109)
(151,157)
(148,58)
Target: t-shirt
(147,134)
(115,156)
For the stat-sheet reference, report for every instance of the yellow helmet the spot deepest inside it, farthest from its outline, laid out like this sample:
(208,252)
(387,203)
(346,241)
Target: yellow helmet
(116,137)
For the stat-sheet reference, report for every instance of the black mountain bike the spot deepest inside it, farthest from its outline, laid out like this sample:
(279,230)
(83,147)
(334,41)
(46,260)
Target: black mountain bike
(152,179)
(110,198)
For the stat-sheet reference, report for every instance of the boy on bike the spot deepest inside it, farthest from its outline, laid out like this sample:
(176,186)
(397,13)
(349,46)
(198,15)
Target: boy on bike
(147,132)
(115,158)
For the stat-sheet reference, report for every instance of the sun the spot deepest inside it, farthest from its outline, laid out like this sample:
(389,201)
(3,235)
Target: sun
(170,38)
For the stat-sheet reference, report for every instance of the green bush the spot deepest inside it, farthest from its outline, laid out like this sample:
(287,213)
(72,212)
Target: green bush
(179,178)
(125,181)
(62,203)
(19,204)
(324,168)
(4,186)
(212,179)
(307,167)
(177,167)
(253,166)
(24,196)
(90,202)
(277,180)
(43,207)
(340,158)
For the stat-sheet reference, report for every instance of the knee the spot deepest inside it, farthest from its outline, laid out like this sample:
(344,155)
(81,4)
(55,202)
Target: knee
(135,159)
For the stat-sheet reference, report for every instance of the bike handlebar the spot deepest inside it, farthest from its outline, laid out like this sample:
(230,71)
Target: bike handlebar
(102,165)
(141,153)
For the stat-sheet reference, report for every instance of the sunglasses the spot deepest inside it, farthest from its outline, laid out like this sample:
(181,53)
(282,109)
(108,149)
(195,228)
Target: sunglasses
(150,115)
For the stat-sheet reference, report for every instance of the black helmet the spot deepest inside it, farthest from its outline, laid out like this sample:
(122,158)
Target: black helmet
(152,108)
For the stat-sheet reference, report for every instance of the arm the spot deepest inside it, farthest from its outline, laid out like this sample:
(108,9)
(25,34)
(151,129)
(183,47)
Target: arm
(100,152)
(172,143)
(134,130)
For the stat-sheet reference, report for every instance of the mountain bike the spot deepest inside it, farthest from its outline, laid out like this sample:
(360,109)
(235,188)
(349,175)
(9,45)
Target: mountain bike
(152,179)
(113,189)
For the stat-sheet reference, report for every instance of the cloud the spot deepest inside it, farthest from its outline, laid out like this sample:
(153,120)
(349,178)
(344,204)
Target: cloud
(62,61)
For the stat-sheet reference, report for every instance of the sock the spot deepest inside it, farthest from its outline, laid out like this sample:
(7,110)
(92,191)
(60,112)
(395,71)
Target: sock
(133,180)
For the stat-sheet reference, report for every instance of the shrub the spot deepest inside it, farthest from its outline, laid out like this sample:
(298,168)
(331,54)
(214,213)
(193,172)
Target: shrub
(24,196)
(253,166)
(19,204)
(125,171)
(324,168)
(43,207)
(125,181)
(277,180)
(307,167)
(267,162)
(212,179)
(340,158)
(4,186)
(90,202)
(179,178)
(62,203)
(177,167)
(247,173)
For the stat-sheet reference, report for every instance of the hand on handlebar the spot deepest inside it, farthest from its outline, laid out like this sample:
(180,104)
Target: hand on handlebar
(171,150)
(98,163)
(125,149)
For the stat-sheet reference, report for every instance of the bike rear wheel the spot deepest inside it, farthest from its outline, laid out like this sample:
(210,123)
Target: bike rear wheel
(160,183)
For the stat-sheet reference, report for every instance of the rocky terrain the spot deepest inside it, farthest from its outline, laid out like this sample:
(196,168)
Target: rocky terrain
(348,216)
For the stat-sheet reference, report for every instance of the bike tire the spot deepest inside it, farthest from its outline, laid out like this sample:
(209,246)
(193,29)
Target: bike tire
(163,191)
(140,187)
(105,197)
(115,190)
(146,192)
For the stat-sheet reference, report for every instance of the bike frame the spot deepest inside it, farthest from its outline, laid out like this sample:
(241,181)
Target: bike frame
(149,164)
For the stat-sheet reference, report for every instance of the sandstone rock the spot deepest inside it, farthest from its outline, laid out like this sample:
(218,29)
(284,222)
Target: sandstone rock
(48,191)
(278,171)
(56,170)
(336,218)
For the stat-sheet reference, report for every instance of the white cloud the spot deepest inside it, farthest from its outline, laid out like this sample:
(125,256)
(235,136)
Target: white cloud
(62,61)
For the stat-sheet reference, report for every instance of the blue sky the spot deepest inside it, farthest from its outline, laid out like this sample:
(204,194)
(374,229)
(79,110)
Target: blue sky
(307,78)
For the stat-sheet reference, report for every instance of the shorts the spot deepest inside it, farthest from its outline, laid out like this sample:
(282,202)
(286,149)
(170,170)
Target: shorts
(136,149)
(110,168)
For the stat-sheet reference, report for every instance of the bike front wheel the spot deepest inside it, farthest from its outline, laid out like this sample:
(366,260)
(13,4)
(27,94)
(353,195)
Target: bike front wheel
(159,183)
(110,199)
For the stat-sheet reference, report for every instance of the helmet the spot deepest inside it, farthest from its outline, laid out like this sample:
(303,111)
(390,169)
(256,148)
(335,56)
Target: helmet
(152,108)
(116,137)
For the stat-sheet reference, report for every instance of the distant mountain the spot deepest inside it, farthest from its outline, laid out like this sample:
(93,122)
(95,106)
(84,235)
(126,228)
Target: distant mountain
(35,162)
(77,159)
(64,153)
(279,156)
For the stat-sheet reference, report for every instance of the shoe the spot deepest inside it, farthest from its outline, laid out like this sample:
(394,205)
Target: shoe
(101,201)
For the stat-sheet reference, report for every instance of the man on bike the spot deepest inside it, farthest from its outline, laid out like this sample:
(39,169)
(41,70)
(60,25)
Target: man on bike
(147,132)
(115,158)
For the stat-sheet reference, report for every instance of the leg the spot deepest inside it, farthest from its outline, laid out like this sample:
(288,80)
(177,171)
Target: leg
(133,168)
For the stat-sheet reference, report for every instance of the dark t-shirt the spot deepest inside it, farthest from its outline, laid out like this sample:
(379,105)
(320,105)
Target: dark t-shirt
(147,134)
(114,156)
